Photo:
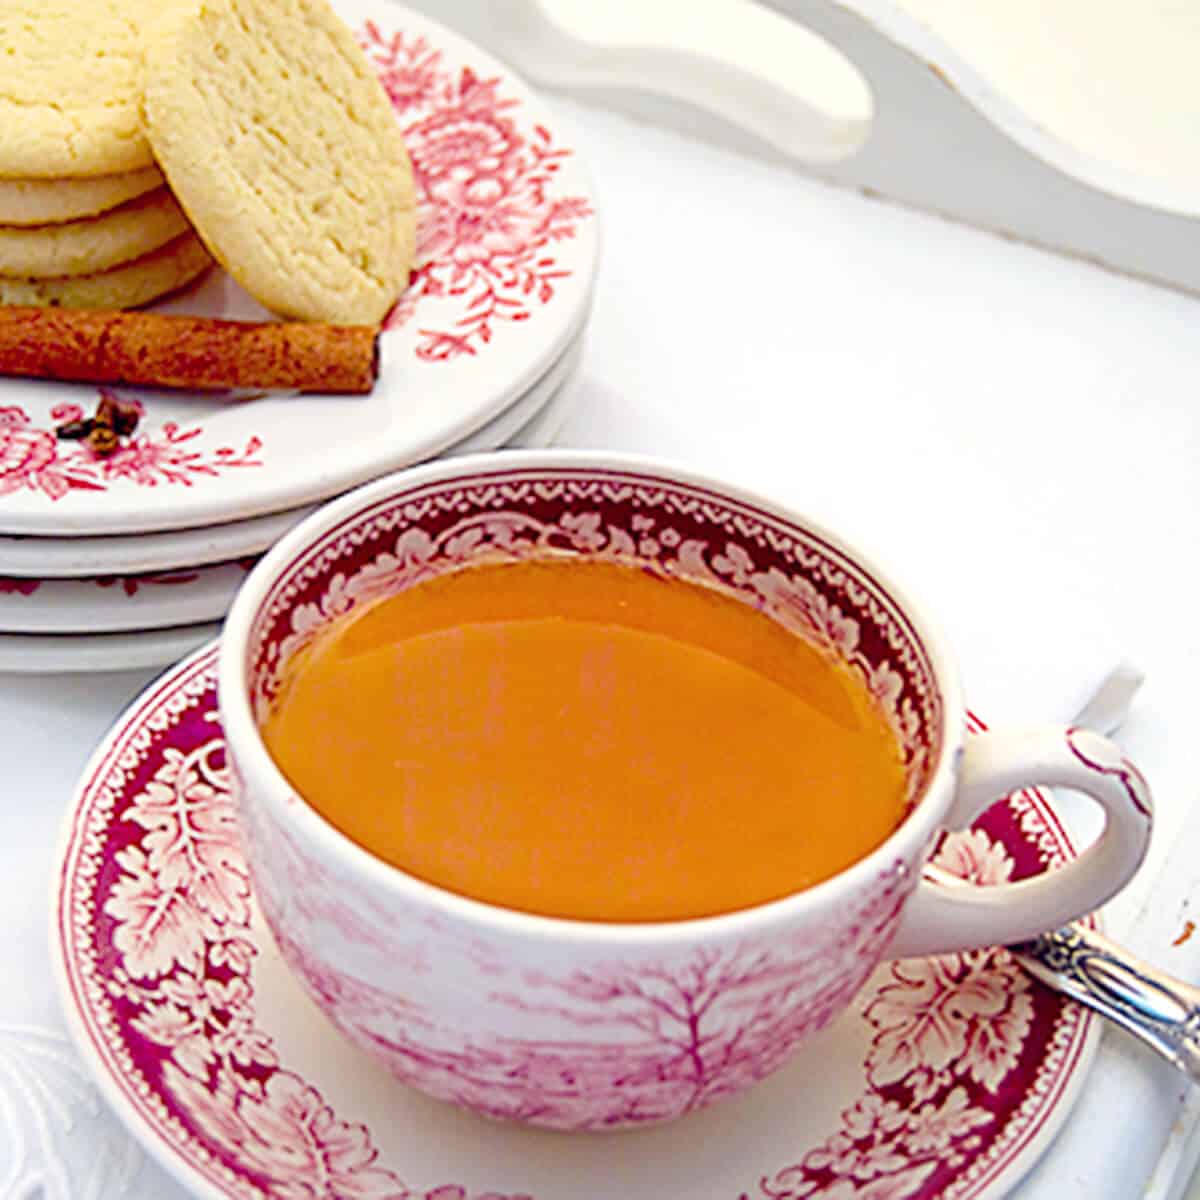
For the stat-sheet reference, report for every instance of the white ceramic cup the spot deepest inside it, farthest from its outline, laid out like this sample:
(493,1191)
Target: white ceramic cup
(583,1025)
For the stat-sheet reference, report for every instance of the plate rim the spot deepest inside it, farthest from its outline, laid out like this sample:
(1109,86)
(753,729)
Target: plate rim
(124,650)
(124,603)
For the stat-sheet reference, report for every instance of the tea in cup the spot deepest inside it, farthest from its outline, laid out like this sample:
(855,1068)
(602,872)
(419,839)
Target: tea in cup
(579,790)
(571,737)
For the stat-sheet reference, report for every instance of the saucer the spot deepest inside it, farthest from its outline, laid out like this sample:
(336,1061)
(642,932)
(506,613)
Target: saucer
(107,604)
(946,1079)
(141,621)
(30,557)
(45,558)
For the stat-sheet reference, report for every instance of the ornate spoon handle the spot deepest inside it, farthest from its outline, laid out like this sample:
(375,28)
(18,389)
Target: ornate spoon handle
(1162,1011)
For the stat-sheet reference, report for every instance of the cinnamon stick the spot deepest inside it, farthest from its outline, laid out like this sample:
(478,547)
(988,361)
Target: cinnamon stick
(197,353)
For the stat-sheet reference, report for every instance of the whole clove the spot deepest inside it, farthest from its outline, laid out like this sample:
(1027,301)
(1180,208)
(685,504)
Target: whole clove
(114,419)
(118,414)
(103,440)
(74,431)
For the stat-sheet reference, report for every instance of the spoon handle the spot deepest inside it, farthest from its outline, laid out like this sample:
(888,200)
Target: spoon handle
(1162,1011)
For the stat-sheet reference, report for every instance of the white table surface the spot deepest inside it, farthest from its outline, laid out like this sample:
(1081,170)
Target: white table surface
(1018,434)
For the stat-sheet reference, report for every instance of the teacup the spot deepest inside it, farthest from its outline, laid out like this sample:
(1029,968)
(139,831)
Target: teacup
(586,1025)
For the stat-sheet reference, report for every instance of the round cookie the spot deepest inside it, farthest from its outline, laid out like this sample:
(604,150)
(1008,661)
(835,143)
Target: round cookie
(53,201)
(70,87)
(95,244)
(281,145)
(130,285)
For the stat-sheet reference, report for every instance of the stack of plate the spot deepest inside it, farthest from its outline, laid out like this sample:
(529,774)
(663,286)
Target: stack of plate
(131,560)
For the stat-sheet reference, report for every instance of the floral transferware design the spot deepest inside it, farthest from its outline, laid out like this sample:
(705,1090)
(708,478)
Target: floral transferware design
(489,220)
(161,942)
(10,586)
(800,581)
(629,1043)
(663,1038)
(129,585)
(176,917)
(33,459)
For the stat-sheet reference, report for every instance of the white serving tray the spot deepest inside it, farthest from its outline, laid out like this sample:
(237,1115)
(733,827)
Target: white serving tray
(989,115)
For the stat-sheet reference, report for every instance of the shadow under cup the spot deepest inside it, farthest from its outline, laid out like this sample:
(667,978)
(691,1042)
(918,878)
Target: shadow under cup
(565,1024)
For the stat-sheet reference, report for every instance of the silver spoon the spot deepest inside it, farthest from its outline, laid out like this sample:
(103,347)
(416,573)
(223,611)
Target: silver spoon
(1164,1012)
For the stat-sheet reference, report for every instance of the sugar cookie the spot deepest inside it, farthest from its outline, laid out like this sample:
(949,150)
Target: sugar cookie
(95,244)
(130,285)
(70,86)
(281,145)
(52,201)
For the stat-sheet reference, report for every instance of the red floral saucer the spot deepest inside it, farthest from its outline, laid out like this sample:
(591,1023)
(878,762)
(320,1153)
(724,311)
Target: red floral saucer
(505,268)
(947,1078)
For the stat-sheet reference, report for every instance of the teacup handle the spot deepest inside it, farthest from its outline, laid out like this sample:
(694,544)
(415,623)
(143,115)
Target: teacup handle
(940,918)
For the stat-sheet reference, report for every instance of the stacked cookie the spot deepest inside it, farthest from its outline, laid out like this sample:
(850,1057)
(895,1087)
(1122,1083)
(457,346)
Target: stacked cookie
(86,218)
(141,139)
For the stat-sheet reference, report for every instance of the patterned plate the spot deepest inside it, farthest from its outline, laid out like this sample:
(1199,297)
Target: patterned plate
(505,268)
(946,1079)
(531,420)
(159,600)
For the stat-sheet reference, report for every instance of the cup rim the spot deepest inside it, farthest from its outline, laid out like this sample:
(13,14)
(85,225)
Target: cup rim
(254,762)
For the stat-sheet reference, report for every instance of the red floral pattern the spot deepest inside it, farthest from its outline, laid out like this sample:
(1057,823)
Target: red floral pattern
(179,912)
(132,584)
(33,459)
(488,215)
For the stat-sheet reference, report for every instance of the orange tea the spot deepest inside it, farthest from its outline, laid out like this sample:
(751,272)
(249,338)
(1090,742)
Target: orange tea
(590,740)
